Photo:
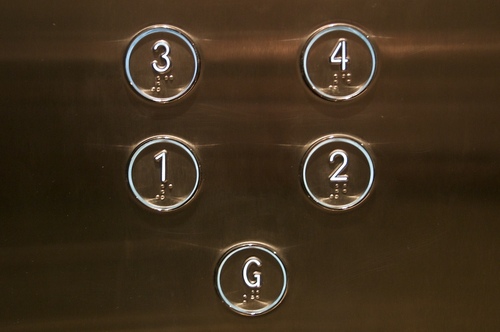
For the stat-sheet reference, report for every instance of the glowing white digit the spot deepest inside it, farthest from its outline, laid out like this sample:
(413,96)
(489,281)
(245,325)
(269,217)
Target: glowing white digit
(162,69)
(339,54)
(161,157)
(336,176)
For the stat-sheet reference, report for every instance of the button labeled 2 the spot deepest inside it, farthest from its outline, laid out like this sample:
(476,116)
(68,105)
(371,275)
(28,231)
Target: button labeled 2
(337,172)
(162,63)
(163,173)
(338,62)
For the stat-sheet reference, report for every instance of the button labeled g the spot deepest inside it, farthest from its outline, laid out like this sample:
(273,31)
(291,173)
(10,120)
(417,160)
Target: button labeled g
(256,282)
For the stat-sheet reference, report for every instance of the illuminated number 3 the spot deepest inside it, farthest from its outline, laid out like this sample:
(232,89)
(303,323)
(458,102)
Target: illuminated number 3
(162,68)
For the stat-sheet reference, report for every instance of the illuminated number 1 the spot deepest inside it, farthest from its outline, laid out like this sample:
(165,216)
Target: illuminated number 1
(161,157)
(339,54)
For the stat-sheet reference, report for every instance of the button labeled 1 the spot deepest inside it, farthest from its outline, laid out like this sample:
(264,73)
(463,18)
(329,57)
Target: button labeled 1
(337,172)
(163,173)
(338,62)
(162,63)
(251,279)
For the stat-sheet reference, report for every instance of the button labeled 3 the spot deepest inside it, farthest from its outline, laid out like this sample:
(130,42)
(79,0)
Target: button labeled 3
(162,63)
(251,279)
(338,62)
(163,173)
(337,172)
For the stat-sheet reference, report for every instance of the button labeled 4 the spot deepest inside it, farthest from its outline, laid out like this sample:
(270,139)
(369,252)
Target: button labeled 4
(338,62)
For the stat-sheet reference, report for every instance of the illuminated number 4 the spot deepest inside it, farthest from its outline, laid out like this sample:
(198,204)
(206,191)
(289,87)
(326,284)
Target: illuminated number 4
(339,54)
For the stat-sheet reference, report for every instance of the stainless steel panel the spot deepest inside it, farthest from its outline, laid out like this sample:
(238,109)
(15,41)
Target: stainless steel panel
(78,253)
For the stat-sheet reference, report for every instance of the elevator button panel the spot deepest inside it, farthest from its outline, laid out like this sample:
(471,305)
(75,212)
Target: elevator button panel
(162,63)
(251,279)
(163,173)
(338,62)
(337,172)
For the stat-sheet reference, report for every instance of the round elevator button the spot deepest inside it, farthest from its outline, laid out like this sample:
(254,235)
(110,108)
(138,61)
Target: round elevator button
(337,172)
(251,279)
(163,173)
(162,63)
(338,62)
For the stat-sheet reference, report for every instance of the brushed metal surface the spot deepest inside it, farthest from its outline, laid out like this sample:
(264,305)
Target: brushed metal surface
(77,253)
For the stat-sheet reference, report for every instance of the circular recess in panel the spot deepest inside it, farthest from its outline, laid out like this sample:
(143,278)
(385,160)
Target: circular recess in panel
(337,172)
(338,62)
(251,279)
(162,63)
(163,173)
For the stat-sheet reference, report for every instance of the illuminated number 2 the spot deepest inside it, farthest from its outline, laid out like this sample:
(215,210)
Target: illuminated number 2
(339,54)
(336,176)
(162,69)
(161,157)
